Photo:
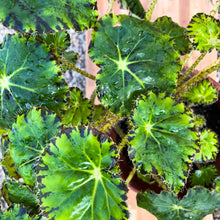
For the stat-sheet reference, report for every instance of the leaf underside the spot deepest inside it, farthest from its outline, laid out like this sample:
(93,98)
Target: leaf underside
(29,137)
(32,80)
(76,180)
(162,140)
(129,65)
(196,204)
(46,16)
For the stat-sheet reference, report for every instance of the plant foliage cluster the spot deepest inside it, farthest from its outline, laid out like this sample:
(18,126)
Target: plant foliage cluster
(58,157)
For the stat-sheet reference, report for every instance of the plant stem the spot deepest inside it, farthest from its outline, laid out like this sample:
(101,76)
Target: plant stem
(215,8)
(189,71)
(199,76)
(124,141)
(150,10)
(82,72)
(104,128)
(186,59)
(160,183)
(93,96)
(131,175)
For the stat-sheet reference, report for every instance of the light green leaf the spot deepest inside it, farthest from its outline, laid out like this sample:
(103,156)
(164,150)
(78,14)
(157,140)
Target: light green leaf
(15,192)
(216,184)
(205,31)
(203,176)
(162,140)
(76,179)
(176,33)
(29,137)
(28,77)
(134,57)
(202,93)
(208,146)
(196,204)
(16,213)
(79,109)
(46,16)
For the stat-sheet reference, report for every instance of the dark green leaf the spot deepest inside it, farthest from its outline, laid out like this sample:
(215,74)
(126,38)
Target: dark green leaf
(202,93)
(134,57)
(58,43)
(176,33)
(16,213)
(79,109)
(205,31)
(76,179)
(45,16)
(162,140)
(134,6)
(28,77)
(208,146)
(14,192)
(203,176)
(196,204)
(29,137)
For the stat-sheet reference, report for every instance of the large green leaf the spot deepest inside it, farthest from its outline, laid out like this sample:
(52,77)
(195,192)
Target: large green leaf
(28,77)
(196,204)
(45,16)
(133,57)
(15,192)
(205,31)
(76,179)
(79,109)
(29,137)
(162,140)
(176,33)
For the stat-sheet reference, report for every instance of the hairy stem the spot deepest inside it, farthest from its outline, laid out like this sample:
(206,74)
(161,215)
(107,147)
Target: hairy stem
(131,175)
(199,76)
(123,143)
(82,72)
(160,182)
(93,96)
(150,10)
(108,125)
(215,8)
(186,59)
(189,71)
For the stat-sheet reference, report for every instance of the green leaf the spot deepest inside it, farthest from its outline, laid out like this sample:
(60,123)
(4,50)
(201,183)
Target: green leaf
(134,6)
(28,77)
(129,65)
(58,43)
(208,146)
(79,109)
(176,33)
(29,137)
(46,16)
(202,93)
(16,213)
(203,176)
(162,140)
(196,204)
(205,31)
(14,192)
(76,179)
(216,184)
